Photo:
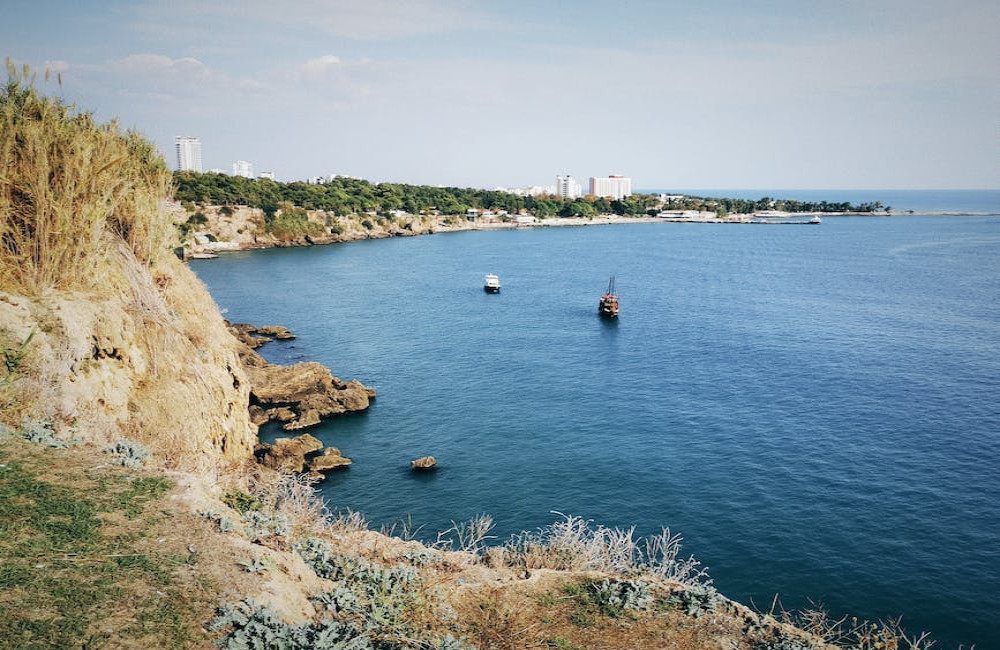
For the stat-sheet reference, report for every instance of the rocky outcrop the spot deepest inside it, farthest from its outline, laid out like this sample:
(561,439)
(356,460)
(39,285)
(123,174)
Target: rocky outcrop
(299,454)
(330,458)
(254,337)
(300,395)
(425,462)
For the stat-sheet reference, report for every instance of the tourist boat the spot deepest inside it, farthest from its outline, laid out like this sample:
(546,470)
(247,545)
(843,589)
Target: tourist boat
(491,284)
(608,306)
(815,219)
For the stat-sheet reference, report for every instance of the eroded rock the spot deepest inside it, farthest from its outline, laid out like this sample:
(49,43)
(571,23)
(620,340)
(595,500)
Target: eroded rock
(287,454)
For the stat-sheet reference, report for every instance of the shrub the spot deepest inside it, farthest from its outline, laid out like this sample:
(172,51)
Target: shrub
(251,625)
(241,502)
(41,432)
(695,600)
(257,565)
(613,596)
(130,454)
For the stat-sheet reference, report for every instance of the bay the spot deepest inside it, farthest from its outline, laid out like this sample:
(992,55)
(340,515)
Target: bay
(813,408)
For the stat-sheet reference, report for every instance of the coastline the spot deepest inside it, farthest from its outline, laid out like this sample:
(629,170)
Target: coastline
(222,230)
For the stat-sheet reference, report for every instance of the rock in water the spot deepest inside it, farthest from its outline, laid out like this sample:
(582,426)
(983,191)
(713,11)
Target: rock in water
(329,459)
(288,454)
(426,462)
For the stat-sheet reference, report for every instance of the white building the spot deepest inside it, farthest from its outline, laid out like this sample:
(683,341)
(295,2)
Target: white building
(566,187)
(188,153)
(243,168)
(267,175)
(613,186)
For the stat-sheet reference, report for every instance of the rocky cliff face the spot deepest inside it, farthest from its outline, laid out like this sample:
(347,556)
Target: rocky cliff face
(146,357)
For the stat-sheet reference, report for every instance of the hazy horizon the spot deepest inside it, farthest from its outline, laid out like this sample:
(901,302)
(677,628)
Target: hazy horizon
(889,95)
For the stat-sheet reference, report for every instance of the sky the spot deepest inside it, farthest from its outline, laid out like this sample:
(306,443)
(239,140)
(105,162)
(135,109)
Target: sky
(864,94)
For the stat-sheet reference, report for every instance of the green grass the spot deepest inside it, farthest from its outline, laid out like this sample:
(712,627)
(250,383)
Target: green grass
(67,577)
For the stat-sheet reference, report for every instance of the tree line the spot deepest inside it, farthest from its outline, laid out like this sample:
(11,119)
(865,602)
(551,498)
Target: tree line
(346,196)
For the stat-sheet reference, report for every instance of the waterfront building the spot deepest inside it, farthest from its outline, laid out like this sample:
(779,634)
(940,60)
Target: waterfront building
(243,168)
(612,186)
(566,187)
(188,153)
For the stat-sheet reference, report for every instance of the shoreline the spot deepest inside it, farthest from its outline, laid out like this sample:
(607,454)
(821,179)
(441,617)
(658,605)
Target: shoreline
(224,234)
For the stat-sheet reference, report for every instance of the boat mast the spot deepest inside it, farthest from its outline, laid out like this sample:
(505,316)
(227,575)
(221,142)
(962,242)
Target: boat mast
(611,285)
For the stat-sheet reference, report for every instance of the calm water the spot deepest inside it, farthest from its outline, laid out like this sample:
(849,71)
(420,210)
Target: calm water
(814,408)
(975,201)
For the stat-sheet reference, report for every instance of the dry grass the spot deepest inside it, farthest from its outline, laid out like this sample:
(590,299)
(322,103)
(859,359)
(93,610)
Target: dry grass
(69,183)
(572,544)
(854,633)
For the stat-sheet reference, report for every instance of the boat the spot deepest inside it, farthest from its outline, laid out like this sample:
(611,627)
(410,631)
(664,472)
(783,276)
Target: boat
(815,219)
(608,306)
(491,284)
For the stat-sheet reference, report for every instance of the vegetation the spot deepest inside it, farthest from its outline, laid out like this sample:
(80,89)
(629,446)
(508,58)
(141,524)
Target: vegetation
(69,578)
(353,196)
(70,186)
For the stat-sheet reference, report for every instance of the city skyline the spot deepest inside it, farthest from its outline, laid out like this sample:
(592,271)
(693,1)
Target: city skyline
(892,94)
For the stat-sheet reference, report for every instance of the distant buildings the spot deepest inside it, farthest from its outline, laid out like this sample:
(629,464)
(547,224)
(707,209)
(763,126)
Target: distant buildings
(268,175)
(188,153)
(613,186)
(243,168)
(532,190)
(566,187)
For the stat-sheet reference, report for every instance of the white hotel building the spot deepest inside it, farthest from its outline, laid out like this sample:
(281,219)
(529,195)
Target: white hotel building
(566,187)
(613,186)
(188,153)
(243,168)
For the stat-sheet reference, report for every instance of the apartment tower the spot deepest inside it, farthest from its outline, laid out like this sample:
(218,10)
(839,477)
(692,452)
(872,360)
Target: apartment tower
(613,186)
(188,153)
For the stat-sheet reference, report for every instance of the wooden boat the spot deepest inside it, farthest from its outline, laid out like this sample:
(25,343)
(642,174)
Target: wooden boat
(608,306)
(491,284)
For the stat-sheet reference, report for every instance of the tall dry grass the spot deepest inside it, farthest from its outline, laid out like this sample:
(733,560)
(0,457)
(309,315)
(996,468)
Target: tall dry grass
(67,185)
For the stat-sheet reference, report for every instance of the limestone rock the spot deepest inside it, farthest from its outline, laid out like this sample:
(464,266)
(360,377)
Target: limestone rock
(277,331)
(331,458)
(425,462)
(301,394)
(309,418)
(287,454)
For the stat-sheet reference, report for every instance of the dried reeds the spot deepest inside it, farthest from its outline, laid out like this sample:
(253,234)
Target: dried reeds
(67,182)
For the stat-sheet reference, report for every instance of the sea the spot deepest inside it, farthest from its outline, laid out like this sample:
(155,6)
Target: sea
(815,409)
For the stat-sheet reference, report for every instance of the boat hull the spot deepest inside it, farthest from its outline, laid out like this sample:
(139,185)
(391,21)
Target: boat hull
(489,289)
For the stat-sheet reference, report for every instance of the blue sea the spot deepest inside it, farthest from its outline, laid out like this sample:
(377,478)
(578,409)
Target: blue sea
(816,409)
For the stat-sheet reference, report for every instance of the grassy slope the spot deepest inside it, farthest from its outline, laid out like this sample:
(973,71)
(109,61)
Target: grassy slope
(95,555)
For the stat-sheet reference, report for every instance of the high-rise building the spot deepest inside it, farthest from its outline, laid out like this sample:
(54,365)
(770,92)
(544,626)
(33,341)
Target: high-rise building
(566,187)
(613,186)
(188,153)
(243,168)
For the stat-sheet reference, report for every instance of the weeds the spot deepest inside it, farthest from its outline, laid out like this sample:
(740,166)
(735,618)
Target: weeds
(258,565)
(468,536)
(571,544)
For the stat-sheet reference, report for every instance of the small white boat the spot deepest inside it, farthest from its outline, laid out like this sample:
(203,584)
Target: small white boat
(491,284)
(815,219)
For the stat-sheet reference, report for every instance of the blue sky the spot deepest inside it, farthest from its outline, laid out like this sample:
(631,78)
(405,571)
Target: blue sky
(769,94)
